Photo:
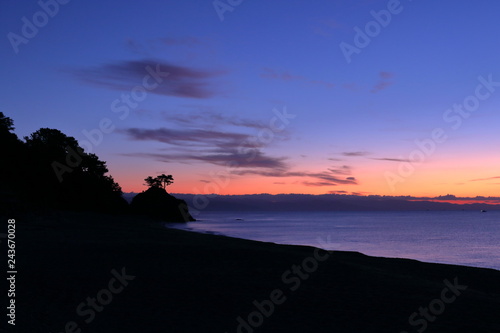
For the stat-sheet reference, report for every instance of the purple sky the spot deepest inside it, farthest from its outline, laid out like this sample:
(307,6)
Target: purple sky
(367,97)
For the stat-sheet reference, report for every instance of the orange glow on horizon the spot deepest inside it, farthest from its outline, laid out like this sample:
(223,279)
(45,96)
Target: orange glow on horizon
(441,177)
(465,201)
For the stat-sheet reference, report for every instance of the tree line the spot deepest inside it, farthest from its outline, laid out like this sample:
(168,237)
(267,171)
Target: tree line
(29,172)
(49,170)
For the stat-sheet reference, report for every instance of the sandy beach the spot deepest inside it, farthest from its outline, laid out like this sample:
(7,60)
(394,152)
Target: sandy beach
(85,272)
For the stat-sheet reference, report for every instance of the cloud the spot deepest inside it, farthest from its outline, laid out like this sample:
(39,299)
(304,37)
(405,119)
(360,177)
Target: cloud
(318,184)
(380,86)
(211,119)
(386,75)
(209,145)
(250,159)
(355,153)
(193,137)
(391,159)
(199,140)
(238,151)
(326,178)
(269,73)
(210,137)
(383,82)
(343,170)
(349,193)
(174,80)
(483,179)
(235,159)
(360,193)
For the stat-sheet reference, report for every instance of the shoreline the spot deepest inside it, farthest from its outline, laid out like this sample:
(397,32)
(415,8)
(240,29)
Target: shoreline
(368,255)
(184,226)
(191,282)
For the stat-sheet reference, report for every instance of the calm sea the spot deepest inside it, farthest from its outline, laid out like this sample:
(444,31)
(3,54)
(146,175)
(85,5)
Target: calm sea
(467,238)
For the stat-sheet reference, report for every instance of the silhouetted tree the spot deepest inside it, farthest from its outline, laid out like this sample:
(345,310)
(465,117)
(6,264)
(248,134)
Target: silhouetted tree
(6,123)
(152,182)
(161,181)
(51,170)
(69,177)
(13,165)
(165,180)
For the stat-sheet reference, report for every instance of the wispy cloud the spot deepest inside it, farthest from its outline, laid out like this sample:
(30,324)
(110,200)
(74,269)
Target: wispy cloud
(386,75)
(355,153)
(204,137)
(360,193)
(191,138)
(179,81)
(390,159)
(342,170)
(349,193)
(211,119)
(380,86)
(326,178)
(483,179)
(383,82)
(233,158)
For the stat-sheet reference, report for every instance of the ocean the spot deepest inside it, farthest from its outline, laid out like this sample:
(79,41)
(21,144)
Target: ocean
(470,238)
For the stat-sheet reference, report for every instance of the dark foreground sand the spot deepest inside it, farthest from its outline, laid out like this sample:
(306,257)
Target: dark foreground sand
(175,281)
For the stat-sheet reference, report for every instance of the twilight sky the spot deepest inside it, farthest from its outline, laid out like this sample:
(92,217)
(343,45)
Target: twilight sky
(240,97)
